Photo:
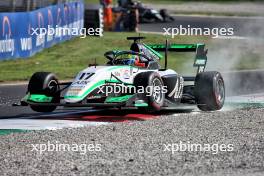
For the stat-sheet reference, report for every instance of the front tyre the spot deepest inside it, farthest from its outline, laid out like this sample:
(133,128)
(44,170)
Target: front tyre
(209,91)
(153,90)
(44,83)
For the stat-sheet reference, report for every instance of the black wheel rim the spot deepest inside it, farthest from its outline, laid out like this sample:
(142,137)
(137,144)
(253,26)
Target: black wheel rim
(157,95)
(220,91)
(53,86)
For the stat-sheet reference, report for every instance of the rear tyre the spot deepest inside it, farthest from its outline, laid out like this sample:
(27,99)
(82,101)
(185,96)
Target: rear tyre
(154,98)
(209,91)
(44,83)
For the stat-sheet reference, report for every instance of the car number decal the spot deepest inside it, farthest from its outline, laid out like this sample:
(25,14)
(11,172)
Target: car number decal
(178,89)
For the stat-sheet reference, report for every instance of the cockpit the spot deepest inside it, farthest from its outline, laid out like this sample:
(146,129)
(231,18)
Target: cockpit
(130,58)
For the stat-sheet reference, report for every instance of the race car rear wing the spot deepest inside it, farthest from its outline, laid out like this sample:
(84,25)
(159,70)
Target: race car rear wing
(200,57)
(175,47)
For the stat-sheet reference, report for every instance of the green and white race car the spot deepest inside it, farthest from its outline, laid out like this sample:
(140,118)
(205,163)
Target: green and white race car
(131,79)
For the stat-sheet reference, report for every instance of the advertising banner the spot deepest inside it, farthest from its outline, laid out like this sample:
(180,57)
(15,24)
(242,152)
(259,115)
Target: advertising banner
(22,34)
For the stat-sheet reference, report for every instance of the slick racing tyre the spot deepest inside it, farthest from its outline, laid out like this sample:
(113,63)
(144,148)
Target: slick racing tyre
(44,83)
(154,98)
(209,91)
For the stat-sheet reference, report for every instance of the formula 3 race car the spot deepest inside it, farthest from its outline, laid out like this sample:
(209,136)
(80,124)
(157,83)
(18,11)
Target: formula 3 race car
(137,72)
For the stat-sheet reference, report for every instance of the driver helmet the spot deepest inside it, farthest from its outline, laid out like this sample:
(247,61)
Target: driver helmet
(134,60)
(130,60)
(138,63)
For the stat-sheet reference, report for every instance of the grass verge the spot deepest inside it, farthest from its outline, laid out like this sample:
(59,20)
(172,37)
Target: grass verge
(68,58)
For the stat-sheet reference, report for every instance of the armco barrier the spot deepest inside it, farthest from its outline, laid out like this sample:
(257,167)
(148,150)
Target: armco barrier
(16,29)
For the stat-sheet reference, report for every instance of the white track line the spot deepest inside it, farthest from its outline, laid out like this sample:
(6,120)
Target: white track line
(59,114)
(150,32)
(24,83)
(231,37)
(13,84)
(43,124)
(33,123)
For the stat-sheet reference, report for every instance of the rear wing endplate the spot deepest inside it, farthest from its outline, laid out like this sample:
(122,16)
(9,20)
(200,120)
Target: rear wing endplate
(200,60)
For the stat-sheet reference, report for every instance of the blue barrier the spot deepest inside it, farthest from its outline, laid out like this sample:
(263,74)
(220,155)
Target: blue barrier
(18,35)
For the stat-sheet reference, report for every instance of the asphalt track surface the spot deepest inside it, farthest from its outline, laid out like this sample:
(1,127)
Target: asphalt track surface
(12,94)
(243,26)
